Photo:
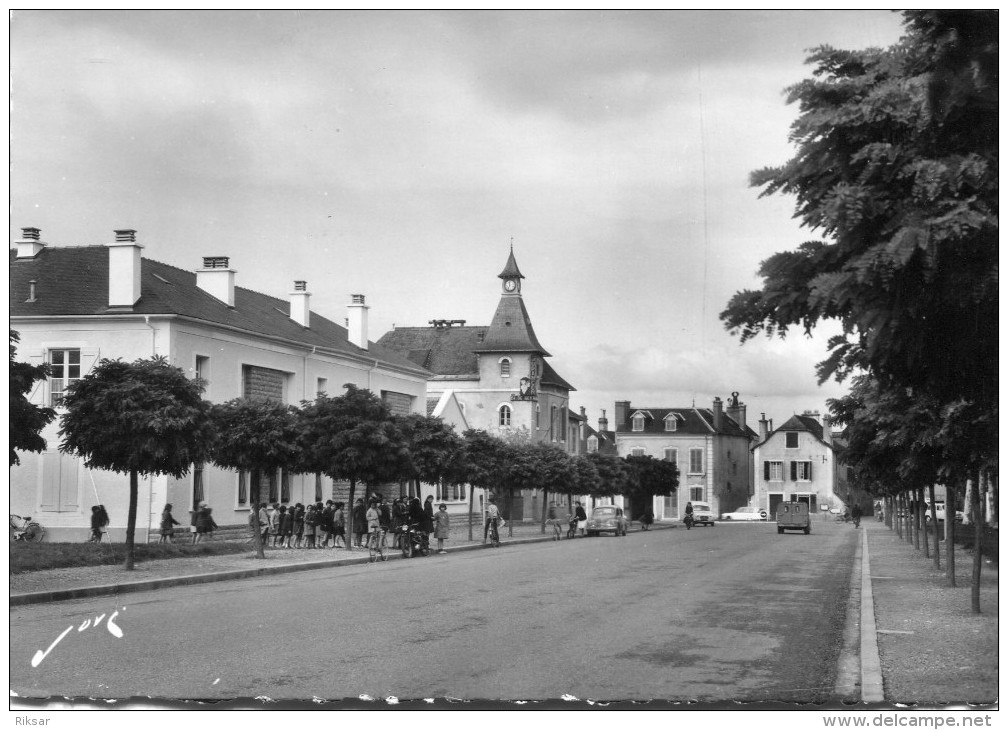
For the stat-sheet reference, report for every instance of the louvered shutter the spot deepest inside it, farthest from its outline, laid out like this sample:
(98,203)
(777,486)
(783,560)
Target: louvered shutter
(37,395)
(766,471)
(69,481)
(810,470)
(49,499)
(794,471)
(88,360)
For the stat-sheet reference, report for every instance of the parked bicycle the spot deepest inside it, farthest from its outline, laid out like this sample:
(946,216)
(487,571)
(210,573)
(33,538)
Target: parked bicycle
(25,529)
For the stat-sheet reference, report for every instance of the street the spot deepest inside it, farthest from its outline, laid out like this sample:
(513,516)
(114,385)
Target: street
(734,612)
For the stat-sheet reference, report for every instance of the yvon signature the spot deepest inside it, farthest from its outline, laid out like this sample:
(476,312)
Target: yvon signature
(111,625)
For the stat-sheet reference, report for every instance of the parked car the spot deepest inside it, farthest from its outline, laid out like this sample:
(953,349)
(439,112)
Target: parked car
(940,512)
(793,516)
(608,518)
(745,514)
(702,514)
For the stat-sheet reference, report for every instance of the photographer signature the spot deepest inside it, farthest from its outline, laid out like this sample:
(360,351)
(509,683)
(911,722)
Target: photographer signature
(111,625)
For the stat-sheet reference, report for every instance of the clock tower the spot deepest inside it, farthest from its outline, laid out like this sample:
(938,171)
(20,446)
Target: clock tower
(511,277)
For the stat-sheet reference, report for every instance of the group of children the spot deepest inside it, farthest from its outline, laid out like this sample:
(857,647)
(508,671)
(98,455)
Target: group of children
(299,525)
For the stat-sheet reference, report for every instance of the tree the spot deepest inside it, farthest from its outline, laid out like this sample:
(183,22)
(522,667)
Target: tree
(255,435)
(552,470)
(613,475)
(651,477)
(480,464)
(433,448)
(141,418)
(352,437)
(897,166)
(26,419)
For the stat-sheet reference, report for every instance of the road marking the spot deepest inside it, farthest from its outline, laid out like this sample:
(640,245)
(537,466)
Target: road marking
(892,631)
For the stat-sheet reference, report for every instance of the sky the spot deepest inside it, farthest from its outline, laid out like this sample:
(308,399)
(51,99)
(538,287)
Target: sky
(399,154)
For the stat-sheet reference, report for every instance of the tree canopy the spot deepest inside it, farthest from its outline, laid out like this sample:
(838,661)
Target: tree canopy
(26,419)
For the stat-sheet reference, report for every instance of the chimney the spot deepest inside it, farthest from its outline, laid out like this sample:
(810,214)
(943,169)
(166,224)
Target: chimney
(30,244)
(299,310)
(827,433)
(603,422)
(124,269)
(217,278)
(357,321)
(718,414)
(622,411)
(764,428)
(736,410)
(31,291)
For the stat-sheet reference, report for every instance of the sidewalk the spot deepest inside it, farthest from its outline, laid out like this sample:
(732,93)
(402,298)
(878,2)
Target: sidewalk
(933,649)
(65,583)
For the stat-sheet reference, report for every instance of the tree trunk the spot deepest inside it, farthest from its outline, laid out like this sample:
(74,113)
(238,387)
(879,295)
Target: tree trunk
(934,526)
(915,520)
(472,490)
(131,518)
(978,525)
(348,517)
(950,536)
(254,502)
(545,497)
(888,511)
(511,513)
(897,520)
(921,521)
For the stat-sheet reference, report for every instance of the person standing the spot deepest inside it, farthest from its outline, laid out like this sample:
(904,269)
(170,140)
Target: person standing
(442,526)
(204,522)
(310,522)
(359,522)
(264,524)
(339,525)
(856,515)
(384,519)
(299,513)
(582,518)
(286,526)
(167,524)
(428,521)
(373,516)
(96,527)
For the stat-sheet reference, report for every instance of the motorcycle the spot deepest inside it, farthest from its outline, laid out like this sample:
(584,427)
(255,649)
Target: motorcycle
(413,541)
(688,521)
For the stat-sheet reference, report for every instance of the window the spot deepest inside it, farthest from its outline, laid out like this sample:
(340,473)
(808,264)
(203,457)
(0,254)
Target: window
(264,485)
(538,416)
(592,445)
(638,423)
(801,471)
(449,493)
(671,455)
(670,423)
(637,452)
(505,367)
(696,465)
(553,423)
(696,494)
(773,471)
(66,369)
(504,417)
(197,485)
(321,386)
(242,488)
(791,439)
(203,370)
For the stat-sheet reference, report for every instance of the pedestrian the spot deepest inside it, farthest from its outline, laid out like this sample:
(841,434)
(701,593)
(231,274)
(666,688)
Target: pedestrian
(339,525)
(582,518)
(96,528)
(286,526)
(856,515)
(299,513)
(647,518)
(359,517)
(441,526)
(264,523)
(193,517)
(310,522)
(492,517)
(373,516)
(205,524)
(327,522)
(167,523)
(274,517)
(428,508)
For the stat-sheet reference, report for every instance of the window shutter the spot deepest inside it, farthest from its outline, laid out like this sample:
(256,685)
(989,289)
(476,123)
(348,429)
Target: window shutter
(809,470)
(88,360)
(37,394)
(794,471)
(49,499)
(69,478)
(766,471)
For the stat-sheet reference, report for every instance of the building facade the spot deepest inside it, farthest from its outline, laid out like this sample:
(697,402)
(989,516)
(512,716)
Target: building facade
(710,447)
(499,374)
(797,463)
(76,305)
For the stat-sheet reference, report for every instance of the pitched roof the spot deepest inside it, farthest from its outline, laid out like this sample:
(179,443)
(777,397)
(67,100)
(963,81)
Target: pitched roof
(810,424)
(442,350)
(689,420)
(510,268)
(550,377)
(75,281)
(606,440)
(511,329)
(432,404)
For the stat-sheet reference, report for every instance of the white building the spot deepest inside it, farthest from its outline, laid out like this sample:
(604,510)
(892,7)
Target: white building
(75,305)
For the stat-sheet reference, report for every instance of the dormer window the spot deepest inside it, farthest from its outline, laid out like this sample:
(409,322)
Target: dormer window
(638,422)
(505,367)
(670,422)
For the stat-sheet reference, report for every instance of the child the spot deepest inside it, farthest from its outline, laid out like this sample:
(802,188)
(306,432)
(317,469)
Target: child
(310,520)
(339,526)
(286,526)
(166,524)
(441,525)
(298,524)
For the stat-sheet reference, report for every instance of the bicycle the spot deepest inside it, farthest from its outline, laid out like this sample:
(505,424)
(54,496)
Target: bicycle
(555,524)
(24,529)
(375,548)
(494,535)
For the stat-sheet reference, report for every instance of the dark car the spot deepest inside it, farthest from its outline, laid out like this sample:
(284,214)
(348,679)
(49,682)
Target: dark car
(608,518)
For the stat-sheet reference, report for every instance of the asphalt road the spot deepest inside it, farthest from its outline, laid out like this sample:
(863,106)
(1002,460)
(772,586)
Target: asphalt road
(734,612)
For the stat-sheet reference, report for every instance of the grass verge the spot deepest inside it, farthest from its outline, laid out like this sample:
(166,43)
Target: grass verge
(28,557)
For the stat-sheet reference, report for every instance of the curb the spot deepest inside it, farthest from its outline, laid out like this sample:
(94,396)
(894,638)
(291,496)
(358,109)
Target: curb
(25,599)
(871,662)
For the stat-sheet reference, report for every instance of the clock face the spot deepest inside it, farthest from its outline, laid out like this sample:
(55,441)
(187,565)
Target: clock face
(510,284)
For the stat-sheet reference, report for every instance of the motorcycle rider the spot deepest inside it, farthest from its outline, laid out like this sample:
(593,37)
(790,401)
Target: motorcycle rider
(689,515)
